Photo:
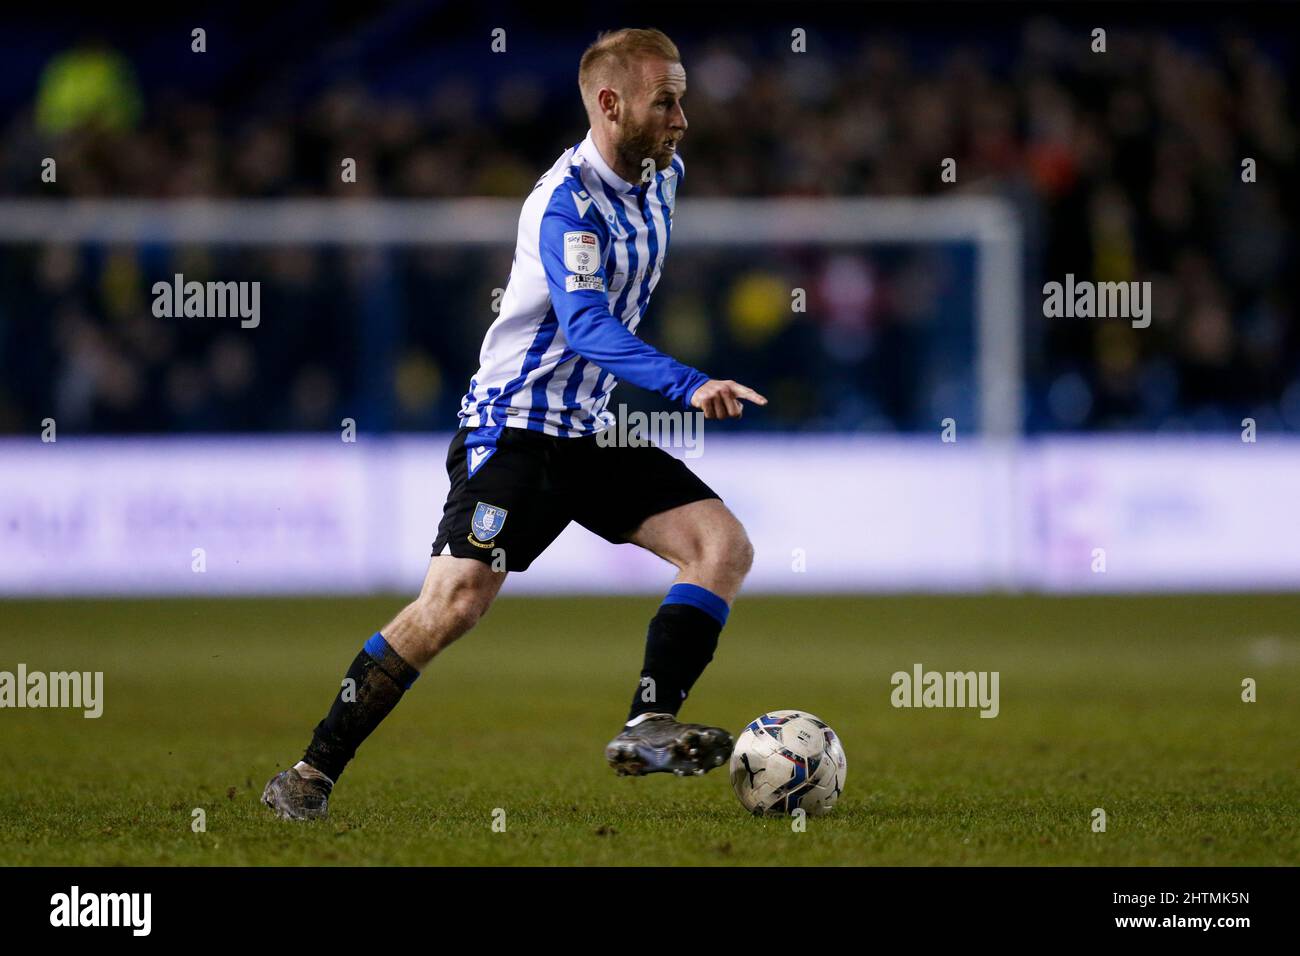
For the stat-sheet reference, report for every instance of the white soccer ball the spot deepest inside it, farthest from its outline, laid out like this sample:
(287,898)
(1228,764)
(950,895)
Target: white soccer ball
(785,761)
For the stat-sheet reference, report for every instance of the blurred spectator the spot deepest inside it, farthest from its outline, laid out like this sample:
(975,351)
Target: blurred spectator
(1125,167)
(90,85)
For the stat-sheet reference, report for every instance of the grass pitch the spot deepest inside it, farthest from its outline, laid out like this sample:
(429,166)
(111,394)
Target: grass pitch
(1128,704)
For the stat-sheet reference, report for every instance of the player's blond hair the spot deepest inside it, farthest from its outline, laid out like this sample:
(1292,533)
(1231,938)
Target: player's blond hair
(611,56)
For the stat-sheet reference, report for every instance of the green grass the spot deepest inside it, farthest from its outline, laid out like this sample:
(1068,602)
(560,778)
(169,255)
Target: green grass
(1130,704)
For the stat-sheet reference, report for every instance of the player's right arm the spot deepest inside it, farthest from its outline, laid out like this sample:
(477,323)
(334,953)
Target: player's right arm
(572,246)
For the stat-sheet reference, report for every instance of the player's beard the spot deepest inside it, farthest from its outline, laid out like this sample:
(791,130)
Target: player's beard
(641,142)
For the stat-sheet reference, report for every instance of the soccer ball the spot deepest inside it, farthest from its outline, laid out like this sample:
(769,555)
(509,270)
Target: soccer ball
(788,760)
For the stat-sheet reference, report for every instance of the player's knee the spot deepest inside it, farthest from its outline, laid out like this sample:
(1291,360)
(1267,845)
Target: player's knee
(742,551)
(464,606)
(730,552)
(450,611)
(459,608)
(747,549)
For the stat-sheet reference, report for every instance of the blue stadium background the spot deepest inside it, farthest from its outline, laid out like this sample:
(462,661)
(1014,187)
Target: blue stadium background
(1122,167)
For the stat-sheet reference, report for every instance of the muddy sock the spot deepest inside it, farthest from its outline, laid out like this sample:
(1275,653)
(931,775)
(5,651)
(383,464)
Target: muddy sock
(374,684)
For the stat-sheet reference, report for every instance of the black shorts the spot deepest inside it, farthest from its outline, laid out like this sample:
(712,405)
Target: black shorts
(531,485)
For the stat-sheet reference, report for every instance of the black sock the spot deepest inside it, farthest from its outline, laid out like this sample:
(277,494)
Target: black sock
(375,683)
(678,646)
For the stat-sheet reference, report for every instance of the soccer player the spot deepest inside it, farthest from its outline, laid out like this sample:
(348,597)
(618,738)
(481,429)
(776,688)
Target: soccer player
(525,460)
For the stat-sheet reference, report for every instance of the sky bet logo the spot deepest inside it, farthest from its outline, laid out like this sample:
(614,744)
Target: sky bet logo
(103,909)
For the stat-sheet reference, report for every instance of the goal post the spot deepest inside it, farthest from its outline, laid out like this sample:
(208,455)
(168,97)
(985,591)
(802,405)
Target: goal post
(990,224)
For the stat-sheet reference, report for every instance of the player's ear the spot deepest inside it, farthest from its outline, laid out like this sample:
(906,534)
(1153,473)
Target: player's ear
(609,104)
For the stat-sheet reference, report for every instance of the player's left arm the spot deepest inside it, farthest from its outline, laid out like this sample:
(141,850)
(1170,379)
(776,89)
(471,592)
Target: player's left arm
(721,398)
(572,245)
(572,254)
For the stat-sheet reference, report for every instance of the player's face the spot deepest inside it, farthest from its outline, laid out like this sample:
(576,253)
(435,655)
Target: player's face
(655,119)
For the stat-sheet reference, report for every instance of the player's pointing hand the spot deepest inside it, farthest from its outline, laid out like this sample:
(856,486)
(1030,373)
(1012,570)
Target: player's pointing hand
(721,398)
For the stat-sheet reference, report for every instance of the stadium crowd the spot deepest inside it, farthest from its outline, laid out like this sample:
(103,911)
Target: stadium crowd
(1125,166)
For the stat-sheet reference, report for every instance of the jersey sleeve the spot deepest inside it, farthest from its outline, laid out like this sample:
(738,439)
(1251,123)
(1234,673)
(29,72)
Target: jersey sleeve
(572,250)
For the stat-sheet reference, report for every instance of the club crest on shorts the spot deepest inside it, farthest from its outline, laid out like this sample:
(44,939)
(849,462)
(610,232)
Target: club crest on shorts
(488,521)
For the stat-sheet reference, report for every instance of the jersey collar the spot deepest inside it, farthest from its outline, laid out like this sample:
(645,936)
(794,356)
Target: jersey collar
(589,151)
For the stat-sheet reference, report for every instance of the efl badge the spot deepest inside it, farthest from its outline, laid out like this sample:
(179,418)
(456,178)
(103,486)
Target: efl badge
(488,521)
(581,252)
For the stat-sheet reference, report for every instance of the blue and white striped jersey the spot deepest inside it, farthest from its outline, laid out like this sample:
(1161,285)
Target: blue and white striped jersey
(590,251)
